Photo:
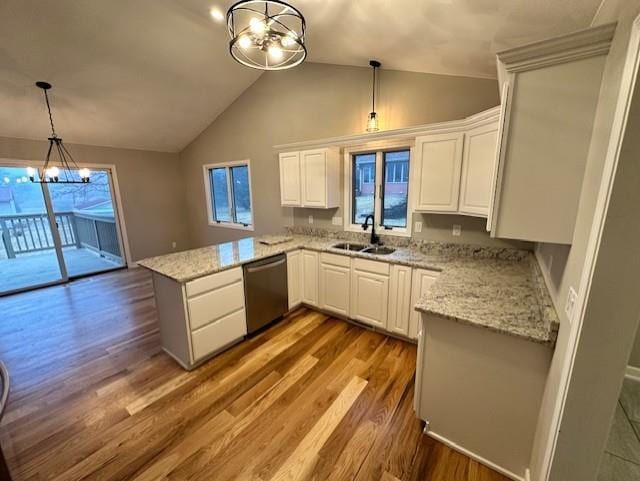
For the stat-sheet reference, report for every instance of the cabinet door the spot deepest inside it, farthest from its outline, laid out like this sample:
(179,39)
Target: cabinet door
(439,161)
(290,185)
(310,278)
(369,298)
(478,162)
(334,288)
(421,281)
(314,177)
(399,300)
(294,278)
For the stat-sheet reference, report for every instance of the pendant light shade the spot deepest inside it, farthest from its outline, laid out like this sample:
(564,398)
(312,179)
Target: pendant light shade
(372,120)
(64,170)
(266,34)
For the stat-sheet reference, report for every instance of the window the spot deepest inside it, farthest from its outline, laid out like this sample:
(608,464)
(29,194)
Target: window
(228,189)
(379,186)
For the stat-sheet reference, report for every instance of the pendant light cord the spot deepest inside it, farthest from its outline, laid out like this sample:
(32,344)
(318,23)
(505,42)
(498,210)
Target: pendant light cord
(46,98)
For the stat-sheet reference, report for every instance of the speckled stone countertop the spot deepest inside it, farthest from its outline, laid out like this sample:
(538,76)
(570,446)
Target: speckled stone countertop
(498,289)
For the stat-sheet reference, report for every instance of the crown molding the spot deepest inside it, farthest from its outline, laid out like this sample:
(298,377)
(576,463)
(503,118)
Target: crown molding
(585,43)
(476,120)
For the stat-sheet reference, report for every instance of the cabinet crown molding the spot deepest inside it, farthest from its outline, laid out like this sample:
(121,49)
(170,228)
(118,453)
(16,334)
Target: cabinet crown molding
(585,43)
(486,116)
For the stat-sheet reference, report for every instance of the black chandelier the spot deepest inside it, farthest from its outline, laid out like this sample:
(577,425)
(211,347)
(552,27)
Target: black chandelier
(61,171)
(266,34)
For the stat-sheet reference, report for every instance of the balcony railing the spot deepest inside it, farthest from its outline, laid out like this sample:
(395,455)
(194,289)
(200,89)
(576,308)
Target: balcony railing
(25,233)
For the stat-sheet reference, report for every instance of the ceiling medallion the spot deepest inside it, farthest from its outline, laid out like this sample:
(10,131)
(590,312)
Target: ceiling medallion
(266,34)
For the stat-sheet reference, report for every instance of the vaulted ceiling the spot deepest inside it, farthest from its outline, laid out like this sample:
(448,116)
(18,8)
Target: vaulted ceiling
(152,74)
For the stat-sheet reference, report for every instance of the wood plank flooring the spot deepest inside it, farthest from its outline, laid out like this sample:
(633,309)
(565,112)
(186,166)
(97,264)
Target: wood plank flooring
(312,398)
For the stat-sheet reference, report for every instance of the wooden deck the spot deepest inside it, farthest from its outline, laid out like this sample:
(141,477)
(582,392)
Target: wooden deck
(95,397)
(42,267)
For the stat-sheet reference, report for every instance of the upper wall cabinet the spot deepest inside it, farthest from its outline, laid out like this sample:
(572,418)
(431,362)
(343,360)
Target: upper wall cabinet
(455,170)
(550,94)
(310,178)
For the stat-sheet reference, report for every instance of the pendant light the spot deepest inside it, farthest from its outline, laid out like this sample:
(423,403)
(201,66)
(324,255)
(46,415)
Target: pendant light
(266,34)
(62,171)
(372,120)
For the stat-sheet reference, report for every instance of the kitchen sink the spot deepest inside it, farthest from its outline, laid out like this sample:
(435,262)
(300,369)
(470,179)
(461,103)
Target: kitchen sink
(347,246)
(379,250)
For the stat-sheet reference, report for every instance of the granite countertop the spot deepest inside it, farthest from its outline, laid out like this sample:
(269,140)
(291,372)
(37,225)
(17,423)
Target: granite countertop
(498,289)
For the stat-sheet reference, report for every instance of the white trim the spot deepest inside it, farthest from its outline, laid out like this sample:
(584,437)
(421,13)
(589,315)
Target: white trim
(633,373)
(627,84)
(377,148)
(475,457)
(461,125)
(117,199)
(207,193)
(585,43)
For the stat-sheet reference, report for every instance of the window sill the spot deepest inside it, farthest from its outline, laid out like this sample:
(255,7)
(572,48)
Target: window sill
(230,225)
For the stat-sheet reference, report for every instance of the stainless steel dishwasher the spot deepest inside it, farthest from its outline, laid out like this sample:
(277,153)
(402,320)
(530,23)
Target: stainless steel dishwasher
(265,291)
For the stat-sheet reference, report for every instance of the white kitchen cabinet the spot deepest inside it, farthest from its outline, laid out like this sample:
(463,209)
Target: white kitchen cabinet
(478,165)
(438,167)
(399,300)
(310,294)
(335,275)
(553,91)
(201,317)
(290,179)
(310,178)
(370,292)
(422,280)
(294,278)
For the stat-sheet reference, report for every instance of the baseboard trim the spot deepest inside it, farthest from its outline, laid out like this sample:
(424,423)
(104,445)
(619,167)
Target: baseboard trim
(475,457)
(632,373)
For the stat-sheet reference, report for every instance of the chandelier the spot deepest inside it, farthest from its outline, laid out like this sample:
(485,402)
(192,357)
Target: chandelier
(64,170)
(266,34)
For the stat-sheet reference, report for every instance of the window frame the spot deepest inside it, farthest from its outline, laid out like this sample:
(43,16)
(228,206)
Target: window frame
(378,148)
(208,189)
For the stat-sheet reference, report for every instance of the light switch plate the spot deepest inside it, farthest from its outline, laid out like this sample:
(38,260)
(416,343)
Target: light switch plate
(336,220)
(456,230)
(570,305)
(310,219)
(417,226)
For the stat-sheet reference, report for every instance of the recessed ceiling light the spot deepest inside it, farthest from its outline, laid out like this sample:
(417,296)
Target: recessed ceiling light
(216,14)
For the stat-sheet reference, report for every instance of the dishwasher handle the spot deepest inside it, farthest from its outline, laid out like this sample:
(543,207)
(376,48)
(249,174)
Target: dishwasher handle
(266,266)
(4,376)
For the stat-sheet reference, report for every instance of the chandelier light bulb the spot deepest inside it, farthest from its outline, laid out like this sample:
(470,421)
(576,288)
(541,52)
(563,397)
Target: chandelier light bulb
(372,123)
(257,26)
(84,173)
(288,41)
(275,52)
(244,42)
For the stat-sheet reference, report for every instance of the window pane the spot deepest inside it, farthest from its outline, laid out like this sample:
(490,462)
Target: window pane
(241,196)
(396,183)
(222,212)
(364,187)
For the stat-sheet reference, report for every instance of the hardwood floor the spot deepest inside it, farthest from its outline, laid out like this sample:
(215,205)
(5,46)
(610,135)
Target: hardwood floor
(94,397)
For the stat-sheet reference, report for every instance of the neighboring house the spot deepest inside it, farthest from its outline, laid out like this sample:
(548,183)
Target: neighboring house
(7,201)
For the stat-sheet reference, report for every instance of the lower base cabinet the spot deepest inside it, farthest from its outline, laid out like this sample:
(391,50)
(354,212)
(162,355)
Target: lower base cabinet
(370,292)
(422,280)
(294,278)
(335,275)
(400,307)
(310,278)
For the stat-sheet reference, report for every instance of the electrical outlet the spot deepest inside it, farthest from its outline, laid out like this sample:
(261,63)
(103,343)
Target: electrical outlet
(570,305)
(310,219)
(174,245)
(336,220)
(417,226)
(456,230)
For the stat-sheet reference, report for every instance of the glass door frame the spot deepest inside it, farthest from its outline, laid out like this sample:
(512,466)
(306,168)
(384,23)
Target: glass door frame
(123,242)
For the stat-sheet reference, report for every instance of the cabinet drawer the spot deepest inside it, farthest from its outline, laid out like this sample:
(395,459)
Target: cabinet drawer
(371,266)
(213,281)
(213,305)
(215,336)
(335,260)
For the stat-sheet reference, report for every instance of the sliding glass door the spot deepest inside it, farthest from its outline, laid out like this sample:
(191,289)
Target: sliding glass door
(53,232)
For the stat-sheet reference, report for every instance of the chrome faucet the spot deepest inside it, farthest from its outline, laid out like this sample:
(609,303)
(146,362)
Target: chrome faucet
(375,239)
